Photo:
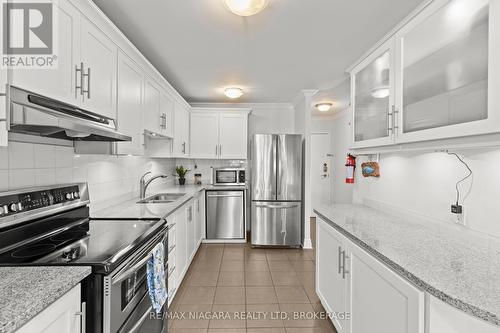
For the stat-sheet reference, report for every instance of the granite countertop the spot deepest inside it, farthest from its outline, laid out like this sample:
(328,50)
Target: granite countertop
(27,291)
(457,265)
(126,207)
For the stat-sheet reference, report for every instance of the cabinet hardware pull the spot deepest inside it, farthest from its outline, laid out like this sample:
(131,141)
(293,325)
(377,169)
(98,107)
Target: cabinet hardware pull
(170,271)
(344,271)
(340,260)
(79,87)
(88,82)
(171,249)
(170,226)
(220,150)
(216,151)
(83,316)
(389,116)
(394,119)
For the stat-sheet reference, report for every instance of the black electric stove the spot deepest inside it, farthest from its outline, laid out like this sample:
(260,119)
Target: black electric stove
(51,226)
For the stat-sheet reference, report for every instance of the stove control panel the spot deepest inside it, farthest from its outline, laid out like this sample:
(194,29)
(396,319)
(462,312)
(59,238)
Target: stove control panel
(11,204)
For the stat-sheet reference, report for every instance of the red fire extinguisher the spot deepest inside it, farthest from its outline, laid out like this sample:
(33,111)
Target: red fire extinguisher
(350,164)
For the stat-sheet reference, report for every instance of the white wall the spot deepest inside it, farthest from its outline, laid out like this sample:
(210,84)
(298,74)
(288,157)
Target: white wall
(27,165)
(424,183)
(338,126)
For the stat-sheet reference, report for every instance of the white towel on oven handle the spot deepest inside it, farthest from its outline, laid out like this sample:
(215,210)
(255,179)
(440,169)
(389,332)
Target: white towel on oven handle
(157,287)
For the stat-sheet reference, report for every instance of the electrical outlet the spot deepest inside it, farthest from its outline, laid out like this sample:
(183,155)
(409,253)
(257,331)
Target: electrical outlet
(458,214)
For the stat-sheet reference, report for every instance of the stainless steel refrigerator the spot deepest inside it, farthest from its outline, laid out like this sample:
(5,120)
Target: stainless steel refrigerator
(276,190)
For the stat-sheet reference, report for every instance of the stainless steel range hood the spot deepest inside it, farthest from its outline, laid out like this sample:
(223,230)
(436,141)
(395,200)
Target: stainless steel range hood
(34,114)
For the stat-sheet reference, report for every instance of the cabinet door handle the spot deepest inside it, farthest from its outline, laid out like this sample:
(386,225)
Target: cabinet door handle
(82,76)
(87,75)
(170,226)
(220,150)
(83,317)
(340,260)
(216,151)
(394,119)
(344,271)
(78,70)
(389,116)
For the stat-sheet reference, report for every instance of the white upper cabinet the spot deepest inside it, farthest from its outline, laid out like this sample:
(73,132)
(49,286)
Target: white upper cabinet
(60,82)
(99,57)
(130,105)
(204,135)
(167,110)
(219,133)
(373,91)
(233,135)
(449,64)
(181,130)
(152,116)
(441,70)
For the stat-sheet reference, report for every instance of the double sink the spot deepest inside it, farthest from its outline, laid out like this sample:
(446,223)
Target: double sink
(162,198)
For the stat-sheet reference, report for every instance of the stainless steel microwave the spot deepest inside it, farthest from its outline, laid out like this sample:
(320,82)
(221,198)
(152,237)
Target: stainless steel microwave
(229,176)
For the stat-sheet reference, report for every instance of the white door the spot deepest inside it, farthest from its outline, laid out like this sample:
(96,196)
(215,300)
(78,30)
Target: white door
(167,106)
(130,91)
(321,164)
(379,299)
(152,115)
(204,141)
(190,231)
(330,283)
(448,72)
(186,131)
(233,138)
(58,83)
(181,244)
(179,147)
(99,56)
(62,316)
(372,88)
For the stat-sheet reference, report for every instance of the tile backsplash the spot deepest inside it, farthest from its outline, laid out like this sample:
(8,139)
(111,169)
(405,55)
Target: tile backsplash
(203,166)
(27,165)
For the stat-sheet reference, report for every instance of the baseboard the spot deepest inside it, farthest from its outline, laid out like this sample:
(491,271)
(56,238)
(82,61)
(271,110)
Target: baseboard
(307,244)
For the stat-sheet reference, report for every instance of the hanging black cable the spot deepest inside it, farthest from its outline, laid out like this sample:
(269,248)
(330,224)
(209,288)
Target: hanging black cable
(463,179)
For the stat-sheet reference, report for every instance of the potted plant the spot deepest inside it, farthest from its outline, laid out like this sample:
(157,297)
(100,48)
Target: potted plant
(181,172)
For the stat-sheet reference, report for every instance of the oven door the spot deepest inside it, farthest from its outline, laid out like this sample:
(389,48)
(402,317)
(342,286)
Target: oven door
(144,319)
(126,293)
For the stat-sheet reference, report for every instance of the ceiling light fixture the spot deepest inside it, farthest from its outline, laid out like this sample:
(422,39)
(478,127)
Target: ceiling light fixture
(324,107)
(233,92)
(246,7)
(380,92)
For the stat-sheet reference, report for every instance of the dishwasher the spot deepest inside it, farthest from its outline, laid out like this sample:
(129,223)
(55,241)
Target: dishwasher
(225,214)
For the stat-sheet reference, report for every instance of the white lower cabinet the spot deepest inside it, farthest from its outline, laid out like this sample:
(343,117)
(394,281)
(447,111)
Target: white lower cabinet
(331,287)
(62,316)
(184,240)
(444,318)
(363,294)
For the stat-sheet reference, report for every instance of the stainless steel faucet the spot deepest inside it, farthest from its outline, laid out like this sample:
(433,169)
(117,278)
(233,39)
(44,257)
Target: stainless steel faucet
(143,184)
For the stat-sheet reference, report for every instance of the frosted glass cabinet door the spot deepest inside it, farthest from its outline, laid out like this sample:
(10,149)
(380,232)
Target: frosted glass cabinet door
(444,71)
(372,85)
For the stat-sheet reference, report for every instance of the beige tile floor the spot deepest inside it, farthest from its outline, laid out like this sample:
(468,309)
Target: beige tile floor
(232,279)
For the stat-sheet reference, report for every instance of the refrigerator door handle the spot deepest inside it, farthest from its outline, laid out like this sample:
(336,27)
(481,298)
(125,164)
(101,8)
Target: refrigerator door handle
(277,168)
(276,206)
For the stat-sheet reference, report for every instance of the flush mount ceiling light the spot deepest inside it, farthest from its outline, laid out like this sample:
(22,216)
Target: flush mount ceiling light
(233,92)
(380,92)
(246,7)
(324,107)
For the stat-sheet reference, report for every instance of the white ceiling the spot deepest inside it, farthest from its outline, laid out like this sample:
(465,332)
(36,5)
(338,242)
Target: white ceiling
(292,45)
